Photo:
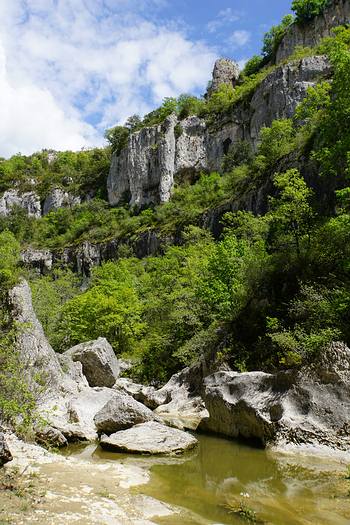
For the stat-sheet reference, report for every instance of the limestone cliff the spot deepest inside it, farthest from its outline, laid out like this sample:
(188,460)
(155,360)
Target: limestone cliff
(308,35)
(145,170)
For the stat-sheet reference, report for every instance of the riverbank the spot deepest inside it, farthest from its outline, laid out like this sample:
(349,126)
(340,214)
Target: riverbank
(220,482)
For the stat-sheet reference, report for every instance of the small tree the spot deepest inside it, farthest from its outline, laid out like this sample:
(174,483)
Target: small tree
(117,138)
(305,10)
(291,211)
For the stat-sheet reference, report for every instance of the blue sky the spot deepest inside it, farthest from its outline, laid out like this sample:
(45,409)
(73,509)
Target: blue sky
(71,68)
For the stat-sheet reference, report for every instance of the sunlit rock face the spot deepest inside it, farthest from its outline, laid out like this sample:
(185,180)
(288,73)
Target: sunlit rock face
(28,201)
(155,157)
(308,35)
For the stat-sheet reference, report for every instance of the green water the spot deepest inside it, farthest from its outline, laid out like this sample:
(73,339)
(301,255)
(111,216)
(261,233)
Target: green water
(223,482)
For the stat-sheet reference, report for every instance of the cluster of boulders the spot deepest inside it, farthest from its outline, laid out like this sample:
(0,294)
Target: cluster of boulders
(86,399)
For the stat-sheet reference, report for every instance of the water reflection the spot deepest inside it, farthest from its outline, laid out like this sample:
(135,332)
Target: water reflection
(222,477)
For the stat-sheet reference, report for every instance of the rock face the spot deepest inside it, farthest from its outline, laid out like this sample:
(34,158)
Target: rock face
(149,438)
(308,407)
(40,260)
(145,170)
(100,365)
(29,201)
(225,72)
(58,198)
(5,454)
(36,353)
(308,35)
(145,166)
(120,413)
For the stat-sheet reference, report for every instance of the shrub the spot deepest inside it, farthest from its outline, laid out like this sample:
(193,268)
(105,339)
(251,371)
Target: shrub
(273,37)
(305,10)
(253,66)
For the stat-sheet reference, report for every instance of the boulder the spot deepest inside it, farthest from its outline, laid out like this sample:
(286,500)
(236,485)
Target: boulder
(49,436)
(146,395)
(149,438)
(120,413)
(5,454)
(73,414)
(100,365)
(308,407)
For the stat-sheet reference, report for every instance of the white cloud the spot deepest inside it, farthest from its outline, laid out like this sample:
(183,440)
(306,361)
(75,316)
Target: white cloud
(240,38)
(223,18)
(64,63)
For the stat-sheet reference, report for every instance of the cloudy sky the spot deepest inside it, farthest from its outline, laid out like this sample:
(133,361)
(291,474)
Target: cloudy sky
(71,68)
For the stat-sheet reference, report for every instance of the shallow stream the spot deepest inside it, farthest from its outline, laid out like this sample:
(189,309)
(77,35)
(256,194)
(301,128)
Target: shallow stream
(223,482)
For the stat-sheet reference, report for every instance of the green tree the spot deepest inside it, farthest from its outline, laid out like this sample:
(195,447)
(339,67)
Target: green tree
(117,138)
(305,10)
(273,37)
(291,212)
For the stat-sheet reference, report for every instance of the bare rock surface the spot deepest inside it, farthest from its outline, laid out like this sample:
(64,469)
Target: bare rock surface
(149,438)
(100,365)
(225,71)
(59,198)
(28,201)
(310,34)
(306,407)
(121,412)
(145,170)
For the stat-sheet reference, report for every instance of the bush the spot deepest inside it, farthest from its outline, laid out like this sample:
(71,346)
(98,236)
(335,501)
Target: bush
(273,37)
(305,10)
(253,66)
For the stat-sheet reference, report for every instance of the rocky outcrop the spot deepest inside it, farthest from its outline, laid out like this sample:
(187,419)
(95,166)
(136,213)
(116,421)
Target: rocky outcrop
(310,34)
(39,260)
(225,72)
(99,363)
(145,170)
(175,403)
(149,438)
(5,454)
(58,198)
(145,167)
(36,353)
(28,201)
(120,413)
(306,407)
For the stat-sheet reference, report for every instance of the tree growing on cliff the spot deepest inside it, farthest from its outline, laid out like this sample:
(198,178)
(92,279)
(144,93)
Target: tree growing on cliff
(306,10)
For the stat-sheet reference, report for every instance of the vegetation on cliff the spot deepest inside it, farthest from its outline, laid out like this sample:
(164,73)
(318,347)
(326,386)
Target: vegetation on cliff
(271,291)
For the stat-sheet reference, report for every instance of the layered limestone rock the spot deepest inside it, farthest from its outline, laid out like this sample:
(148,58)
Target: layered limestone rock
(145,170)
(309,407)
(308,35)
(145,167)
(28,201)
(225,71)
(58,198)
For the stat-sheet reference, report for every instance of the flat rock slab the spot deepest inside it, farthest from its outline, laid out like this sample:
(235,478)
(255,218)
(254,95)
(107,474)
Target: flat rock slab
(149,438)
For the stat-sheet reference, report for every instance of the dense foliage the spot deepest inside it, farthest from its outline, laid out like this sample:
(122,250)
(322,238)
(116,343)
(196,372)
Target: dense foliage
(305,10)
(268,291)
(17,400)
